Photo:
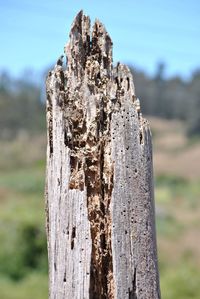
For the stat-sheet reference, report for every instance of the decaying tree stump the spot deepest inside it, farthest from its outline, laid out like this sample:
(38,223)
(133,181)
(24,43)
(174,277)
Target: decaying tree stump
(99,181)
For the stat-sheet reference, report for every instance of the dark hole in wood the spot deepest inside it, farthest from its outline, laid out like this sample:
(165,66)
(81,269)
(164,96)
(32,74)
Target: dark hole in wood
(128,83)
(141,138)
(73,237)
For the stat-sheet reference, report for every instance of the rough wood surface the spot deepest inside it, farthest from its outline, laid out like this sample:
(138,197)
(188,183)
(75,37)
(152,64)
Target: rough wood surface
(99,181)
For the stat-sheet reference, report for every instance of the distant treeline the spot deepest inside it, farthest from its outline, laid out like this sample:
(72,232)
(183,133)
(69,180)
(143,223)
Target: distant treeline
(171,98)
(21,107)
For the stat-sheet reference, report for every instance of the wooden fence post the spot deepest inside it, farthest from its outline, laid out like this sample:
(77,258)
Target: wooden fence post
(99,181)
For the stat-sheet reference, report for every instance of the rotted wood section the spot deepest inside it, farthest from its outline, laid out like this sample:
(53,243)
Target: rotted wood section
(99,180)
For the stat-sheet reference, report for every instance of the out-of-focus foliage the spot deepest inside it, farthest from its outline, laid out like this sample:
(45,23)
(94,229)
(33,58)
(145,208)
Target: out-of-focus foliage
(23,250)
(22,234)
(172,98)
(20,107)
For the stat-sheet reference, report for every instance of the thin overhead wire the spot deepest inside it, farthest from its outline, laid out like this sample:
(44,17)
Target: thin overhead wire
(46,11)
(160,31)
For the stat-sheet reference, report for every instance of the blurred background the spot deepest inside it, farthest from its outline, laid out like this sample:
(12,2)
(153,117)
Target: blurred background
(160,41)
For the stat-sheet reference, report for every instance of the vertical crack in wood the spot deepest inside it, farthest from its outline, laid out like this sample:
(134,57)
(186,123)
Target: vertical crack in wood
(49,113)
(89,143)
(133,292)
(99,183)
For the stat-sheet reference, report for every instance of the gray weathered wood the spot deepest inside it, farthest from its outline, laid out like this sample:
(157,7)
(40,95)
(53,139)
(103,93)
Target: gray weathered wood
(99,181)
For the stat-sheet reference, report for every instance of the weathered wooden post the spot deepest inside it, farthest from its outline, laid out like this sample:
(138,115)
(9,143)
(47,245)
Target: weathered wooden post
(99,182)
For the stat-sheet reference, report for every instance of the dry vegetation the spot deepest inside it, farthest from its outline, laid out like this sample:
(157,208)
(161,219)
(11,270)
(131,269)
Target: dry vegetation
(174,153)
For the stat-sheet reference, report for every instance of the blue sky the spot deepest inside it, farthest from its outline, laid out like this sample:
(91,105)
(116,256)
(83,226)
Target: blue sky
(33,33)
